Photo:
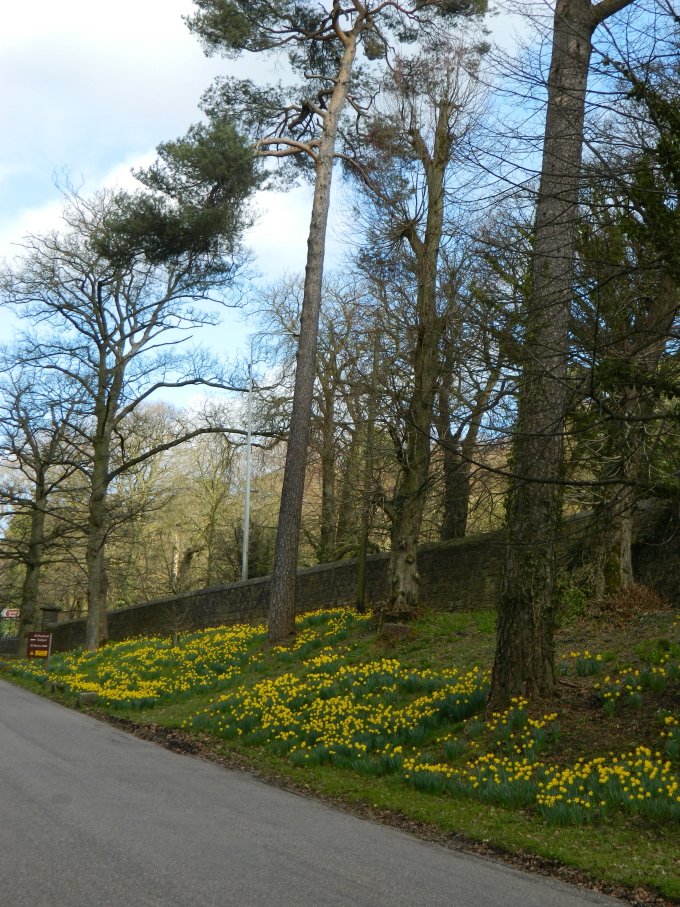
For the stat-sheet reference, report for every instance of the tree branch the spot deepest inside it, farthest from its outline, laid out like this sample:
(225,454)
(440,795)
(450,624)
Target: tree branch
(168,445)
(606,8)
(294,147)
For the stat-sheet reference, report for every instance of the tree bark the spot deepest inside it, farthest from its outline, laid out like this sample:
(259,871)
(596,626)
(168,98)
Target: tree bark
(456,475)
(612,556)
(103,597)
(524,662)
(457,489)
(282,594)
(328,534)
(346,533)
(96,542)
(367,479)
(408,502)
(611,553)
(628,439)
(457,458)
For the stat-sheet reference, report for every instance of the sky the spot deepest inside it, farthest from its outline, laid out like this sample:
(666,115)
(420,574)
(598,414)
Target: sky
(89,91)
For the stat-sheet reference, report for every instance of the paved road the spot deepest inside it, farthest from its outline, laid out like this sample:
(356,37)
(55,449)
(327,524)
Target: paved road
(93,817)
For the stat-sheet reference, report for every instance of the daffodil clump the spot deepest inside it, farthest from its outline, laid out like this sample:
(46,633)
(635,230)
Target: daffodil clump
(640,782)
(319,629)
(144,672)
(506,774)
(671,733)
(629,684)
(379,717)
(140,673)
(585,663)
(345,714)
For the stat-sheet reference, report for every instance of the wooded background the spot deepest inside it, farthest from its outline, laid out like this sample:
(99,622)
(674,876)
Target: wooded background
(498,349)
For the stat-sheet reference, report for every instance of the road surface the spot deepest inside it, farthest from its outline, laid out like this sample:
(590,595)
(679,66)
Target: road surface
(93,817)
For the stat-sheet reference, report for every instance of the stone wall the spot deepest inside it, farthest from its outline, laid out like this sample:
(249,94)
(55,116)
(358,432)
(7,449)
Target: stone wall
(462,574)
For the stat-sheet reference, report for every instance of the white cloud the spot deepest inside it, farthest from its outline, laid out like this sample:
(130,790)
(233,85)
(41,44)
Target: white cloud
(279,237)
(91,88)
(42,218)
(88,85)
(24,222)
(71,20)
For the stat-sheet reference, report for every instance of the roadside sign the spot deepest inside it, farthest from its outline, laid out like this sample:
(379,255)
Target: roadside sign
(10,613)
(38,645)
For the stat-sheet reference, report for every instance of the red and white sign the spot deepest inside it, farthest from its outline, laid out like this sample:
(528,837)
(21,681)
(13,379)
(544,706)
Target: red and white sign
(38,645)
(10,613)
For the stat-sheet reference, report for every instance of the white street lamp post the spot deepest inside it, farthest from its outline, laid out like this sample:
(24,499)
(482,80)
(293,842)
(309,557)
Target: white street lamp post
(246,507)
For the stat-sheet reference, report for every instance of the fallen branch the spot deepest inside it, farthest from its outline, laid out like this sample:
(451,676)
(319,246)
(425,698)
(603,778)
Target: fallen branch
(568,683)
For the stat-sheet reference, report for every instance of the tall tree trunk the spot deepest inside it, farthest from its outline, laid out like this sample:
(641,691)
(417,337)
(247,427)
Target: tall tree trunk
(457,489)
(174,565)
(408,503)
(350,473)
(524,662)
(611,551)
(210,547)
(103,598)
(327,546)
(282,593)
(456,472)
(94,551)
(611,555)
(458,460)
(367,478)
(29,590)
(625,451)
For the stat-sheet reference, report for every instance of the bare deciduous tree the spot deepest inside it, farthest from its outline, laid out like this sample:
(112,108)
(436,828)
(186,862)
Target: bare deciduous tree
(36,445)
(113,336)
(427,107)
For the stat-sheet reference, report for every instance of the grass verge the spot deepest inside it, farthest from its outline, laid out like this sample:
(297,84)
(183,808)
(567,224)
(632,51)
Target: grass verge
(621,852)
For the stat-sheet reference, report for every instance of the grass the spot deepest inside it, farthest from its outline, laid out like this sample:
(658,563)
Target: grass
(396,728)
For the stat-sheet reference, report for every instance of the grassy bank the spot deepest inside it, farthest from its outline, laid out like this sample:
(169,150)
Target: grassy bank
(393,723)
